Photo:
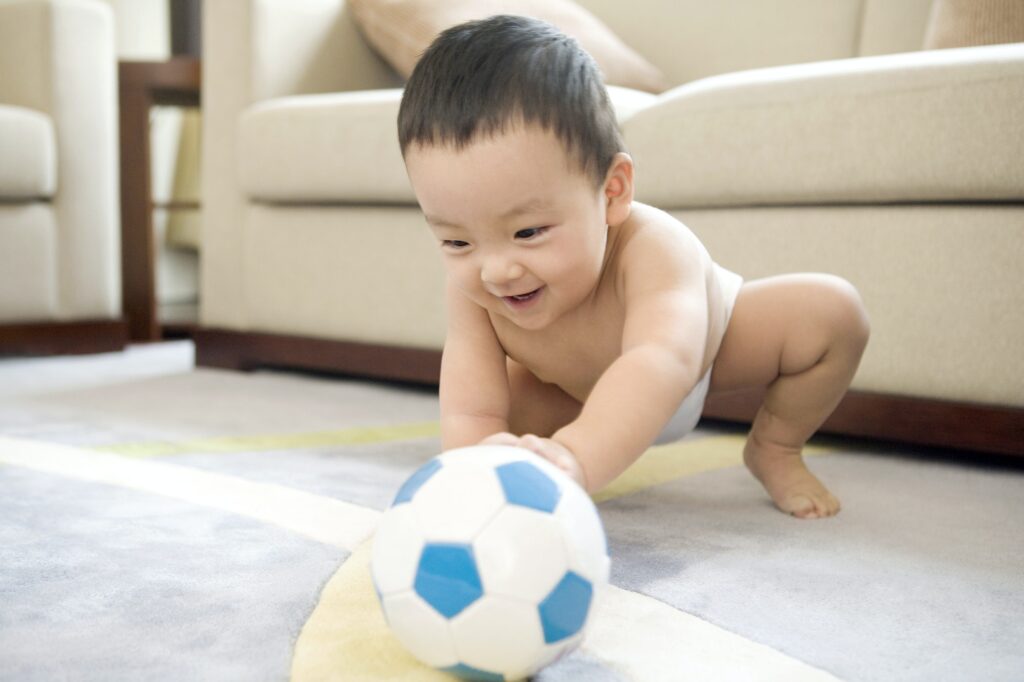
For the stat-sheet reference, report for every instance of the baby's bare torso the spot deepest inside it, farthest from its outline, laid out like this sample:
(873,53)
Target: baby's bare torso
(575,350)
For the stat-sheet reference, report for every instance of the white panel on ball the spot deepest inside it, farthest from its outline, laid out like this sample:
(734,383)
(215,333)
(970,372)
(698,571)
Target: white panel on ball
(584,533)
(499,634)
(420,629)
(396,550)
(525,571)
(554,652)
(455,504)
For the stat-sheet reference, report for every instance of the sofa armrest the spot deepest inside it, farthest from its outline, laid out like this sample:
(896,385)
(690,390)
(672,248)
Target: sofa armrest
(58,57)
(254,51)
(917,127)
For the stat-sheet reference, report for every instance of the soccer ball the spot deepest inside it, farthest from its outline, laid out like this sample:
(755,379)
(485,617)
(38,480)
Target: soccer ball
(488,562)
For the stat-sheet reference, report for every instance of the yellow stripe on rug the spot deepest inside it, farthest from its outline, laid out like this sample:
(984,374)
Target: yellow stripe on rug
(664,463)
(660,464)
(347,638)
(285,441)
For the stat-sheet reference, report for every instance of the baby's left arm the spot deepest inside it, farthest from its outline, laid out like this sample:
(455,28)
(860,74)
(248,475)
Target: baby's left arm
(663,342)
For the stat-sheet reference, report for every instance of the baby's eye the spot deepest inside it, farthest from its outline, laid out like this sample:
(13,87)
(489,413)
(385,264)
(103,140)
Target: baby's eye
(454,244)
(530,233)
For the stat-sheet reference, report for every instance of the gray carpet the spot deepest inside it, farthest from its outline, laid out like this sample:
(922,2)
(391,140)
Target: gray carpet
(103,583)
(920,577)
(197,552)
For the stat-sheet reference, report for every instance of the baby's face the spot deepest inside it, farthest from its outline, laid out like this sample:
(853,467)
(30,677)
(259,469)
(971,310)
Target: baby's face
(521,229)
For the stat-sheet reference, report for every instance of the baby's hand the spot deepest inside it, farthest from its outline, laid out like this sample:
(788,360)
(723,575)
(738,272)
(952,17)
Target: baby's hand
(551,450)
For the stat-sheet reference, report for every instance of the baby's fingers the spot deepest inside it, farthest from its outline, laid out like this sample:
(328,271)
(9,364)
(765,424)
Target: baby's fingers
(534,443)
(503,438)
(545,448)
(557,454)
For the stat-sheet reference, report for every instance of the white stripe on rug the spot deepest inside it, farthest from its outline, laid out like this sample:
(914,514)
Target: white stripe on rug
(319,518)
(632,633)
(649,640)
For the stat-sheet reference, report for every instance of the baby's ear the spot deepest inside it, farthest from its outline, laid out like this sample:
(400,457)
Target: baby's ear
(618,189)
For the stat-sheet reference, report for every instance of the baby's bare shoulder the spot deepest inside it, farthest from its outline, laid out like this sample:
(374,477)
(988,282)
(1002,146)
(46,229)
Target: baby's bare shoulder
(651,236)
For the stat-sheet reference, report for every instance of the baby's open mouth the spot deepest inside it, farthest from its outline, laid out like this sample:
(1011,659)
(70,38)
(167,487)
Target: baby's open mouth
(523,298)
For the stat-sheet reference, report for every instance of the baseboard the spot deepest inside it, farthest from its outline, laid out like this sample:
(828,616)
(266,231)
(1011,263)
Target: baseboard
(245,351)
(63,338)
(917,421)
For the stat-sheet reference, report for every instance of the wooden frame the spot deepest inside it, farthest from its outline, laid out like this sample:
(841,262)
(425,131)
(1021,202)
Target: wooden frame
(244,351)
(933,423)
(63,338)
(918,421)
(142,85)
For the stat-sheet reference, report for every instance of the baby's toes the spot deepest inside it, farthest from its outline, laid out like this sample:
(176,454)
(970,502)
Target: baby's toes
(800,506)
(831,504)
(808,505)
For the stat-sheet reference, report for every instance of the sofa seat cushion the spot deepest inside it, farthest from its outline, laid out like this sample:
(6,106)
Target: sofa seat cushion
(897,128)
(28,262)
(340,147)
(29,152)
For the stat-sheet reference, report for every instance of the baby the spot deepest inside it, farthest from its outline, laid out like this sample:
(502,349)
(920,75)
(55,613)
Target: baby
(583,325)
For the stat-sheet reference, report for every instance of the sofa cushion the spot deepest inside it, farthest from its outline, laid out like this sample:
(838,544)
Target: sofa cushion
(401,30)
(940,125)
(290,148)
(961,23)
(28,262)
(28,148)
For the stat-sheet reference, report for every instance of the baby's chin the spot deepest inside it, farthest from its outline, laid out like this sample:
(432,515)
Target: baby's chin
(534,321)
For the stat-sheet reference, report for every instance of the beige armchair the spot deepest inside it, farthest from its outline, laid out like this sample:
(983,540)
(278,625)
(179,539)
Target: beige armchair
(801,136)
(60,286)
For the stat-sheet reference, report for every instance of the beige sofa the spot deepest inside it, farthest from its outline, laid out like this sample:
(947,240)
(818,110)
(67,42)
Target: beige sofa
(60,258)
(800,136)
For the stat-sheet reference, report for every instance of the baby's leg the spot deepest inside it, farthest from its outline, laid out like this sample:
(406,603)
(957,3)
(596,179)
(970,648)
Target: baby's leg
(537,408)
(802,336)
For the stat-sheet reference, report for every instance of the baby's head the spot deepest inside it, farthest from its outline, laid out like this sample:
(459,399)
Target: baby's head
(513,152)
(481,78)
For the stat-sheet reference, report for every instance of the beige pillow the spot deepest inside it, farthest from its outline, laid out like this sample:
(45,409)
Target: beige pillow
(962,23)
(401,30)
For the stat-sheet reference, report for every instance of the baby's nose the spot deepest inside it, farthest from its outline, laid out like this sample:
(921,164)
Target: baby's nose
(501,271)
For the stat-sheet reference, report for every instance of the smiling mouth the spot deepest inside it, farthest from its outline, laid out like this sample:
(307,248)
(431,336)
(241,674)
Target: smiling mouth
(522,298)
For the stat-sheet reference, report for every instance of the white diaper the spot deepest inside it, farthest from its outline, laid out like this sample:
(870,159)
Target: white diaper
(686,417)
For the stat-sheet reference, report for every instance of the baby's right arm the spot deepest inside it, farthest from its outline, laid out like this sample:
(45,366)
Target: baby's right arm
(474,381)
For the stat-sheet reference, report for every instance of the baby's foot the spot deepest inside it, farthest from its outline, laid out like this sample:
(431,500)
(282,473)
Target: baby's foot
(793,488)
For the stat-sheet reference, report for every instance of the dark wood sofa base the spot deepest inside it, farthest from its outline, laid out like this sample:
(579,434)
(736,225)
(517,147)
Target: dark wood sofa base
(932,423)
(63,338)
(246,351)
(917,421)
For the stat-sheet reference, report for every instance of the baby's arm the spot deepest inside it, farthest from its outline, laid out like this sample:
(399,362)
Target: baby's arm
(663,347)
(474,382)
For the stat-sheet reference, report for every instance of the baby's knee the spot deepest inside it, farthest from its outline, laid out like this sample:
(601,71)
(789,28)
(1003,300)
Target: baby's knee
(845,311)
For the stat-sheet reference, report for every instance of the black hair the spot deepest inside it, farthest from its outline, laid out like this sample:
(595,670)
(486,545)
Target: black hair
(481,77)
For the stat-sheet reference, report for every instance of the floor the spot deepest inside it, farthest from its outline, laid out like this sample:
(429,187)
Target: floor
(931,540)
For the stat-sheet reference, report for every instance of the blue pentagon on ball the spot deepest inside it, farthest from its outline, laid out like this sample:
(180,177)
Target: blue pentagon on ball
(564,611)
(527,486)
(447,578)
(468,672)
(416,481)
